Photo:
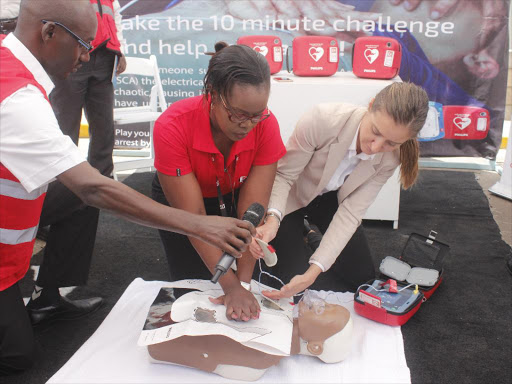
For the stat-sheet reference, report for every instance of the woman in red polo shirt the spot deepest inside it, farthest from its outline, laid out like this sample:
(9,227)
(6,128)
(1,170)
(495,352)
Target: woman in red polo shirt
(216,154)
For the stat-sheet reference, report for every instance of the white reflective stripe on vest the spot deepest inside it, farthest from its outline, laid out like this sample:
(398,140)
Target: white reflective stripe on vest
(17,236)
(14,189)
(104,9)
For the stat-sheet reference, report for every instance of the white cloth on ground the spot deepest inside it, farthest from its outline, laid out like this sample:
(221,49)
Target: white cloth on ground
(111,354)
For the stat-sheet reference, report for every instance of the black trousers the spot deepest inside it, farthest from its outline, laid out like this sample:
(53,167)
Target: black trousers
(183,260)
(16,335)
(73,225)
(353,267)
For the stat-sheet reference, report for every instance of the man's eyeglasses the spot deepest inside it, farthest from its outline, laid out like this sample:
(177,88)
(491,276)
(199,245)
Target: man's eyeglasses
(88,47)
(235,118)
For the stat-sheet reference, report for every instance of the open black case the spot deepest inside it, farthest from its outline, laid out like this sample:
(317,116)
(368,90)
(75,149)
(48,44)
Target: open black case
(421,262)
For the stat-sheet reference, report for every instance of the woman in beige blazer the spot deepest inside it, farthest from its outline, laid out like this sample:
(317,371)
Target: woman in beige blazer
(338,158)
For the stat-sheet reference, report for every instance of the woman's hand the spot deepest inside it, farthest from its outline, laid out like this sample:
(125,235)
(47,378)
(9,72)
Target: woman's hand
(266,232)
(297,284)
(240,304)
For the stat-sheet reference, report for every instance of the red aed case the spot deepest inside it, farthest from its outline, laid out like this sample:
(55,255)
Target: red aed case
(376,57)
(315,56)
(269,46)
(465,122)
(420,264)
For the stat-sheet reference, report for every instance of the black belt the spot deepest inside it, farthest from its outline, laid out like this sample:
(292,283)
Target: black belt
(7,25)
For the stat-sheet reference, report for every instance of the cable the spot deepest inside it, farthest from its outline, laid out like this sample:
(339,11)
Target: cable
(262,272)
(387,289)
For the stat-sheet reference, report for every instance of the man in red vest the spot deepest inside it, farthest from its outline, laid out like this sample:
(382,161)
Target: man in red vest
(73,225)
(53,37)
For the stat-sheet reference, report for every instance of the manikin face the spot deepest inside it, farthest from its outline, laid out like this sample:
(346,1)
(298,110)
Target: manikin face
(244,101)
(379,133)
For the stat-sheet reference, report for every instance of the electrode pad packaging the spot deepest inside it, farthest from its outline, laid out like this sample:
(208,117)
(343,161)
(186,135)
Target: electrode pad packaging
(315,56)
(401,271)
(376,57)
(269,46)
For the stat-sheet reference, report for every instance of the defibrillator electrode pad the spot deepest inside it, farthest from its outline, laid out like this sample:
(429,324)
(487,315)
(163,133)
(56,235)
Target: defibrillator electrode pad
(401,271)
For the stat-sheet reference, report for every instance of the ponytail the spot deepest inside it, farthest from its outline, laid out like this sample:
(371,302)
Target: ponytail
(407,104)
(409,156)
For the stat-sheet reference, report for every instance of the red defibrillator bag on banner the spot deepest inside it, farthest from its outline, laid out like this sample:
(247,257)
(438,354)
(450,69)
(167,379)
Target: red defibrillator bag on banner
(315,56)
(465,123)
(269,46)
(404,283)
(376,57)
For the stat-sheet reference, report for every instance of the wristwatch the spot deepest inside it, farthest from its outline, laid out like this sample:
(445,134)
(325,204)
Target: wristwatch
(274,215)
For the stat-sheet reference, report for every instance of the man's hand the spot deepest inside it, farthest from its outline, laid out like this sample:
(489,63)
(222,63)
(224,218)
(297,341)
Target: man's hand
(240,304)
(121,65)
(229,234)
(297,284)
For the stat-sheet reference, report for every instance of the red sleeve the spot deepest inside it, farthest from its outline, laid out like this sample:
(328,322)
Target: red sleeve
(269,145)
(171,148)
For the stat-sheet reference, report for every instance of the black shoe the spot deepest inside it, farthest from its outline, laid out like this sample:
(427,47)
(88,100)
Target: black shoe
(65,309)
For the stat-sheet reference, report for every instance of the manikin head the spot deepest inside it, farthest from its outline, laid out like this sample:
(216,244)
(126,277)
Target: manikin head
(57,33)
(323,330)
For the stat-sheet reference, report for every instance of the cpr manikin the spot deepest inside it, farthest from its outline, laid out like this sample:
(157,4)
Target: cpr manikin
(320,329)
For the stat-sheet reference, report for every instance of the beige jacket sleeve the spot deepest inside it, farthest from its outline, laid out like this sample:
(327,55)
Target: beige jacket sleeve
(349,216)
(299,150)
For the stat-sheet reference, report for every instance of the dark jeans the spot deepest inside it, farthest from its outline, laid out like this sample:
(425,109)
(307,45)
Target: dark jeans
(353,267)
(70,244)
(16,335)
(183,260)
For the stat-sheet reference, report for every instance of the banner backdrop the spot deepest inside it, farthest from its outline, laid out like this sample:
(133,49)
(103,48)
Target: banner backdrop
(458,54)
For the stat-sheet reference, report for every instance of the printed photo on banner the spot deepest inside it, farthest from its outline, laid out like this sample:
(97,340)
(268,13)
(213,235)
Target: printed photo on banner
(458,54)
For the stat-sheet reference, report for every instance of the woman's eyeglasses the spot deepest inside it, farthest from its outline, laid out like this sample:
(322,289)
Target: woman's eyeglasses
(235,118)
(88,47)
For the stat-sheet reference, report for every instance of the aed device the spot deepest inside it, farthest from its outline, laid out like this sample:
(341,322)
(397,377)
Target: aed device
(269,46)
(376,57)
(464,122)
(314,56)
(434,125)
(387,302)
(420,267)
